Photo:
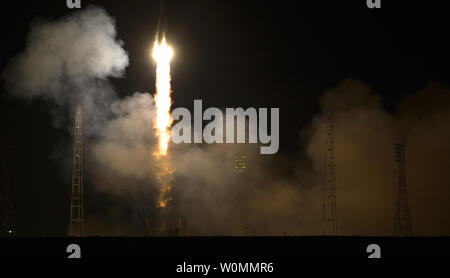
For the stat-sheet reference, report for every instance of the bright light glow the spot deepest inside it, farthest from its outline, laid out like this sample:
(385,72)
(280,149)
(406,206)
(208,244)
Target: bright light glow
(162,53)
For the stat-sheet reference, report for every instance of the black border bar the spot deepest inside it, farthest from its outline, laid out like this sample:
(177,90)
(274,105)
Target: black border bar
(225,248)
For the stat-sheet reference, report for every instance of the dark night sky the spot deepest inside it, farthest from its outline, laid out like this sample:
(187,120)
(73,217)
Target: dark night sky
(229,54)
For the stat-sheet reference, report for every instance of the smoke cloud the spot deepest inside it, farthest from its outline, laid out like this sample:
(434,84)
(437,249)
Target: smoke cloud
(60,57)
(70,60)
(366,174)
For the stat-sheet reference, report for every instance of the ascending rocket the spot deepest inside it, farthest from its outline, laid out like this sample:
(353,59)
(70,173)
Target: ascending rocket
(162,23)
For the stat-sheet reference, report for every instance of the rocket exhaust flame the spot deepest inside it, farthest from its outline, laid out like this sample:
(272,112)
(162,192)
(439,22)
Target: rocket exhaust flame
(164,177)
(162,54)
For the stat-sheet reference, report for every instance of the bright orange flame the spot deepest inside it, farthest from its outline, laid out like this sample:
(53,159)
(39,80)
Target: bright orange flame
(162,53)
(164,173)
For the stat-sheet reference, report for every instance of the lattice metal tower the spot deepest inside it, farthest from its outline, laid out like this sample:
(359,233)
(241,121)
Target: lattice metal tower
(329,225)
(402,223)
(76,227)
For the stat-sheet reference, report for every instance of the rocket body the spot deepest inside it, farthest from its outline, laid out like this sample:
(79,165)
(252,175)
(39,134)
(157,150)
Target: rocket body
(162,23)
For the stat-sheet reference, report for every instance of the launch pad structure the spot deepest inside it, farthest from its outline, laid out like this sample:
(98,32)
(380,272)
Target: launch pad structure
(329,224)
(76,226)
(402,222)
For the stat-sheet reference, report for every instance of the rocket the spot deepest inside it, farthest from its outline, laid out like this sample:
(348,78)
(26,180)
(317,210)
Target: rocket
(162,22)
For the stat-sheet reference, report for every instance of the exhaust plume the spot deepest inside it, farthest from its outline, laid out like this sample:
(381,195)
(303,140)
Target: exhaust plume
(162,53)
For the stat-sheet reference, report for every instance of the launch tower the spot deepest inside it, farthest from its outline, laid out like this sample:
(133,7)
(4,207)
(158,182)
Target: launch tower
(76,227)
(402,222)
(329,225)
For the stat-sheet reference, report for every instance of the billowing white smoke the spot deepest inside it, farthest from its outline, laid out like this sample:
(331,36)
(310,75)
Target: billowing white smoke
(69,61)
(65,56)
(127,139)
